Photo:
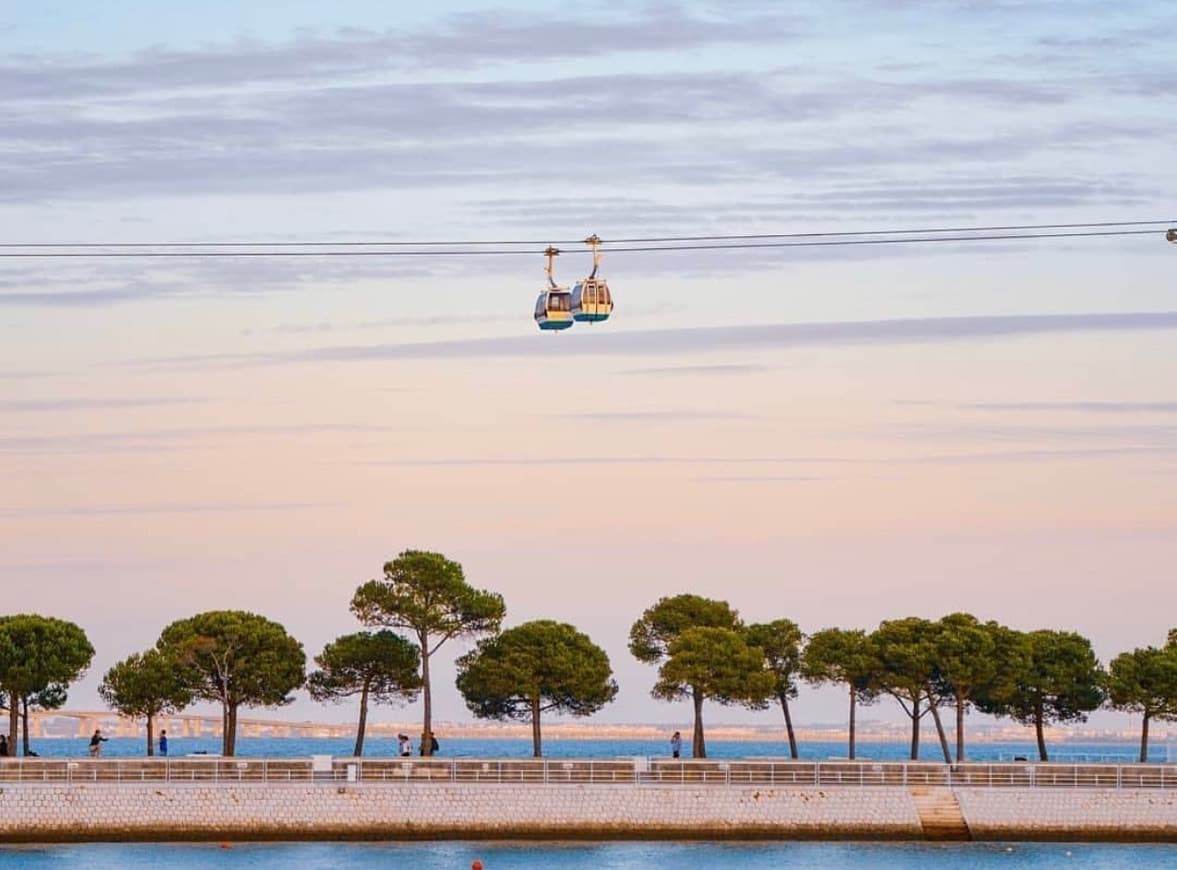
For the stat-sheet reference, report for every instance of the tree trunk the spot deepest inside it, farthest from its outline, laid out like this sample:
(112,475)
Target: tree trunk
(13,721)
(789,728)
(1144,739)
(915,729)
(150,735)
(537,746)
(363,723)
(935,708)
(426,698)
(230,739)
(960,702)
(1038,730)
(698,747)
(24,725)
(853,699)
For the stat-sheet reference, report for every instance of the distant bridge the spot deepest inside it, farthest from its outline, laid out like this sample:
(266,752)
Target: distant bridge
(82,723)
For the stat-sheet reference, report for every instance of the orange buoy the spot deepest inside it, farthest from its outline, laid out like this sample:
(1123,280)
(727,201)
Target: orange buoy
(475,864)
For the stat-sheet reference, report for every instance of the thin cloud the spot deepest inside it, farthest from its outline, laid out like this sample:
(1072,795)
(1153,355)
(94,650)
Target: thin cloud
(1044,455)
(661,342)
(509,461)
(79,298)
(763,478)
(169,439)
(324,327)
(104,510)
(1160,33)
(962,193)
(1134,433)
(719,369)
(458,41)
(21,376)
(1091,407)
(89,404)
(102,283)
(341,135)
(693,416)
(1064,454)
(14,569)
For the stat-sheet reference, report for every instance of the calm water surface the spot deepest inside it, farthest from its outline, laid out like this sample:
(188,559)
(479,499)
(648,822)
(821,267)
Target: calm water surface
(276,747)
(607,856)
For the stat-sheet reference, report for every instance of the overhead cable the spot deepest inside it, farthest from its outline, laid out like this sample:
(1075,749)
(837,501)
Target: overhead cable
(667,244)
(619,240)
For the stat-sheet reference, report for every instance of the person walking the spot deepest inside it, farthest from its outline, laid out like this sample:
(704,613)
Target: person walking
(434,746)
(163,742)
(676,745)
(405,745)
(3,745)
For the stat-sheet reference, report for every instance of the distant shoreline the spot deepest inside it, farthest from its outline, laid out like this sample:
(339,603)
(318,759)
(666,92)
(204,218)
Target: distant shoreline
(71,724)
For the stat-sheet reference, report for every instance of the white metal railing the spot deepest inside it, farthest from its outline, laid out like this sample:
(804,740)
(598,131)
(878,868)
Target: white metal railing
(632,771)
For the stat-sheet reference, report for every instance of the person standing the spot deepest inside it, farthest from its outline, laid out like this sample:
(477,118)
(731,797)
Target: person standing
(163,742)
(3,745)
(676,745)
(405,745)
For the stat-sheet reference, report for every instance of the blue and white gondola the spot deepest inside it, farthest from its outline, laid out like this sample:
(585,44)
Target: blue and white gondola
(591,300)
(553,306)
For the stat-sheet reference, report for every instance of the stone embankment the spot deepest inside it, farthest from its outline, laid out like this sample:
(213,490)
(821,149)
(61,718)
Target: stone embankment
(232,799)
(1070,814)
(466,811)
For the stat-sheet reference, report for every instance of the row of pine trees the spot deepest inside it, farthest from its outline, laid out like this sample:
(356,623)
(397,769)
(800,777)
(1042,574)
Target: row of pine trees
(701,647)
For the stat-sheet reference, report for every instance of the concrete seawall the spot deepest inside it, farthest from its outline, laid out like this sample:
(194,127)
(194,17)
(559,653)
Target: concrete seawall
(1070,814)
(410,811)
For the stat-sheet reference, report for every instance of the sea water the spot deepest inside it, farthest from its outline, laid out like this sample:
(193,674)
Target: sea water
(469,747)
(589,856)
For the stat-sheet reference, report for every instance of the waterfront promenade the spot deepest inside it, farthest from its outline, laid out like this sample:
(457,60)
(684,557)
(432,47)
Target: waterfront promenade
(343,798)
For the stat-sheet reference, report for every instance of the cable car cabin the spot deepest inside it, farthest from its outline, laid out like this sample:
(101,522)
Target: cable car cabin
(553,309)
(591,300)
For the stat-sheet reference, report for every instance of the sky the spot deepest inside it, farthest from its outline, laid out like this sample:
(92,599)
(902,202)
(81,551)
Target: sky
(833,436)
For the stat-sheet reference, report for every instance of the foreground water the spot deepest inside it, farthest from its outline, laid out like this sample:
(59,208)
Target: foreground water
(597,856)
(276,747)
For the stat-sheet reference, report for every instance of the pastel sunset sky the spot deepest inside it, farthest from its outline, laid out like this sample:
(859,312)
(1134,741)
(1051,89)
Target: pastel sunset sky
(834,436)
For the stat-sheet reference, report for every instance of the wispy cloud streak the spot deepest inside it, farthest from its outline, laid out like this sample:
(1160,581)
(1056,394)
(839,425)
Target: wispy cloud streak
(662,342)
(719,369)
(168,439)
(84,404)
(1092,407)
(117,510)
(508,461)
(660,416)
